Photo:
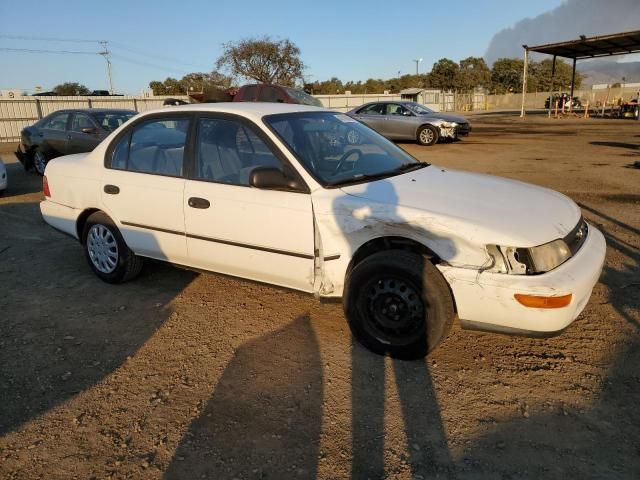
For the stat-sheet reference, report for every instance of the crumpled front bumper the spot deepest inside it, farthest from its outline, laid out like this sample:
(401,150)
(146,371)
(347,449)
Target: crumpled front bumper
(485,301)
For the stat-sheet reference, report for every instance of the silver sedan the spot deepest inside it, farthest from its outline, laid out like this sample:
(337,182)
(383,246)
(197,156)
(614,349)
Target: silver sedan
(410,121)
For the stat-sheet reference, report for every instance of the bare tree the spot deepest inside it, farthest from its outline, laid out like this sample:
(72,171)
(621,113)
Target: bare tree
(263,59)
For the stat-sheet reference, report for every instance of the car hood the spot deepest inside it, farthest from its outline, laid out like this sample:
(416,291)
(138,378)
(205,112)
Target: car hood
(484,208)
(445,116)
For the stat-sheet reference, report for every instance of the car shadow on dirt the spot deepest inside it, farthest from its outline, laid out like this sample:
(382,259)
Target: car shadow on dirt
(264,417)
(48,354)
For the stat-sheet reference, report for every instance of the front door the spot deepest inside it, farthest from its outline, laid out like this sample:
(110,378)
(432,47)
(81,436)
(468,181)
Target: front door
(398,122)
(143,187)
(372,116)
(233,228)
(84,134)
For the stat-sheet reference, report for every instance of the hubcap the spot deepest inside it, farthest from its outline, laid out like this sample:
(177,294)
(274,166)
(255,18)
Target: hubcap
(396,311)
(102,248)
(39,162)
(426,135)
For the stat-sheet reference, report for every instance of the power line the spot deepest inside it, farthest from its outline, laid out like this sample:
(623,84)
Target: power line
(31,50)
(147,64)
(121,46)
(48,39)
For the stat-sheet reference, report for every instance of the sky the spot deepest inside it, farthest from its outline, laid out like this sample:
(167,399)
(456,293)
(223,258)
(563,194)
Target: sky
(151,40)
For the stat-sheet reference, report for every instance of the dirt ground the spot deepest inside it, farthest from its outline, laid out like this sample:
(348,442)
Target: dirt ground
(180,375)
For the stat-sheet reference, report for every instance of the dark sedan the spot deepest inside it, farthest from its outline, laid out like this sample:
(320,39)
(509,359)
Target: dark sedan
(411,121)
(65,132)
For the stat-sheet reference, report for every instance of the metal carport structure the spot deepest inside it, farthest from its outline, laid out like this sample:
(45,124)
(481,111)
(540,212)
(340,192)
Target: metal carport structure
(584,47)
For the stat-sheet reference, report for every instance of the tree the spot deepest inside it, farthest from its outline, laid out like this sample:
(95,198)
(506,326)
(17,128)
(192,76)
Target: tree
(540,76)
(70,89)
(506,75)
(263,59)
(474,73)
(444,75)
(207,83)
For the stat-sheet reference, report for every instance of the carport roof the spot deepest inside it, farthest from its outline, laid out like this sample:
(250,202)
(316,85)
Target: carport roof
(589,47)
(411,91)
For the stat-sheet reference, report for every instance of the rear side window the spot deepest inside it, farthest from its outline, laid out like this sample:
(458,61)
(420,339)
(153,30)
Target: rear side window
(271,94)
(375,109)
(57,122)
(249,94)
(156,146)
(81,121)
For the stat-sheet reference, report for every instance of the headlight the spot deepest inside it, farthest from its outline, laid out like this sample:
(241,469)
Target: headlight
(448,124)
(522,261)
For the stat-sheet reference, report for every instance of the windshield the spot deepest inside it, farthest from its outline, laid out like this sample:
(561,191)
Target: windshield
(112,120)
(417,108)
(303,98)
(338,150)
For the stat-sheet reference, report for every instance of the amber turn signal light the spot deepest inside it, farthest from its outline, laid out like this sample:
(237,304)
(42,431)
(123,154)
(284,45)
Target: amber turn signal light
(537,301)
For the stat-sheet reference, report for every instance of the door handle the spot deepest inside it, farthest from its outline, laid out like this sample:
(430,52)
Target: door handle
(196,202)
(111,189)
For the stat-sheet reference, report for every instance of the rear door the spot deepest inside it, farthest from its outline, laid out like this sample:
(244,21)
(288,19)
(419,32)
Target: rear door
(143,186)
(372,116)
(233,228)
(54,134)
(84,134)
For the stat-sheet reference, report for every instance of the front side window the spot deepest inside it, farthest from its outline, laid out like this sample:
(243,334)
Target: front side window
(396,109)
(338,150)
(155,146)
(419,109)
(81,121)
(57,122)
(227,151)
(249,93)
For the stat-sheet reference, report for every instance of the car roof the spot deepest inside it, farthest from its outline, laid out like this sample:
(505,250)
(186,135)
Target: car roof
(255,110)
(94,110)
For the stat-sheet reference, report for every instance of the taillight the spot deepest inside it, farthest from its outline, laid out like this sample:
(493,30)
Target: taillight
(45,187)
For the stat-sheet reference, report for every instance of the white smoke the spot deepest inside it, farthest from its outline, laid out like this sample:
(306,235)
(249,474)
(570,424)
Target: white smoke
(566,22)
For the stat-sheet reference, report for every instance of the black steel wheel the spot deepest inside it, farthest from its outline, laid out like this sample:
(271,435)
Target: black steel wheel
(397,303)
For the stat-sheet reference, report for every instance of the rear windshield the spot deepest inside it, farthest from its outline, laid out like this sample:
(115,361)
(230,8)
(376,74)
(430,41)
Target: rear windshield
(303,98)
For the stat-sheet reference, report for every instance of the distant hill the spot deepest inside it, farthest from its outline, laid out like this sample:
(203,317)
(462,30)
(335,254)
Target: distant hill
(608,71)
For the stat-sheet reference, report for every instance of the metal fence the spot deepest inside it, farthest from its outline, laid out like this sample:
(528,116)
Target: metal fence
(18,113)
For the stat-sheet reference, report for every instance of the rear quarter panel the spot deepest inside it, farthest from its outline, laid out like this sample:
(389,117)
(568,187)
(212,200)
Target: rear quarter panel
(74,181)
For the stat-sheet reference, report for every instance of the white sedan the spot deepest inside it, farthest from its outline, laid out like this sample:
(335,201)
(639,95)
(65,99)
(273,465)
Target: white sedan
(312,200)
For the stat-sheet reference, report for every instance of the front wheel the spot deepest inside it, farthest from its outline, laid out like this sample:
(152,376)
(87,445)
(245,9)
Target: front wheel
(106,251)
(398,303)
(428,135)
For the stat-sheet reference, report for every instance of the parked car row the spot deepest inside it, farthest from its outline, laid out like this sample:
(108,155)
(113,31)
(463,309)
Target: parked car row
(67,131)
(314,200)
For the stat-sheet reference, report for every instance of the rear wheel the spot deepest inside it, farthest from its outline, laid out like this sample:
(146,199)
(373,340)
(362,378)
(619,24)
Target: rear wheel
(106,251)
(39,161)
(398,303)
(428,135)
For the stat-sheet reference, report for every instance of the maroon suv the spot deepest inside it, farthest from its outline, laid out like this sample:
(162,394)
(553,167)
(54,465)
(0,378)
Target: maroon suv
(274,93)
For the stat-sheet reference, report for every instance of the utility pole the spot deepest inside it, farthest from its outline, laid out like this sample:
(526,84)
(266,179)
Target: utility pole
(418,60)
(107,56)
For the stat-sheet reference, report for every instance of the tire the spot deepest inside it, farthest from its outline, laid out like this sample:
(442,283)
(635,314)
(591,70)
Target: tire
(40,161)
(413,287)
(428,135)
(106,251)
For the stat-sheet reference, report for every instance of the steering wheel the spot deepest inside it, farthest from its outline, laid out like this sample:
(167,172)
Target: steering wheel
(344,157)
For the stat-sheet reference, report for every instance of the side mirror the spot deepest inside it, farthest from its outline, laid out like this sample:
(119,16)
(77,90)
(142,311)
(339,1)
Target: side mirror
(90,130)
(273,179)
(407,113)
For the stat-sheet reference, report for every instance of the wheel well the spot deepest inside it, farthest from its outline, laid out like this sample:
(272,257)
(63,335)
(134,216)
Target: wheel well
(396,243)
(82,219)
(392,243)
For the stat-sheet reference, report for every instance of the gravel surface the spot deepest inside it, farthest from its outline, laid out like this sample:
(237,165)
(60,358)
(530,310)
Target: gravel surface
(180,375)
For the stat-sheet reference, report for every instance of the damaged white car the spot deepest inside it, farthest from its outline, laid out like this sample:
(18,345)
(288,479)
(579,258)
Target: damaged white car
(280,194)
